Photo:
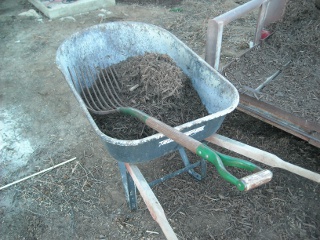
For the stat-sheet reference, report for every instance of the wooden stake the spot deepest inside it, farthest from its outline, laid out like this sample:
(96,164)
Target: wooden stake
(35,174)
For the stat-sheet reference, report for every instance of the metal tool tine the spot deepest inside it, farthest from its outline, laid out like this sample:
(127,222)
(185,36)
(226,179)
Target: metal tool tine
(115,76)
(92,90)
(98,90)
(100,97)
(109,83)
(82,89)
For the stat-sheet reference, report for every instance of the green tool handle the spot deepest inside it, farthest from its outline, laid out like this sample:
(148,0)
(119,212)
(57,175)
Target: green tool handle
(217,159)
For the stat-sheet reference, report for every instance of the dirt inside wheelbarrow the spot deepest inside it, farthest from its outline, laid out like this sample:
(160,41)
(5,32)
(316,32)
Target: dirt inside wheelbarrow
(41,125)
(154,84)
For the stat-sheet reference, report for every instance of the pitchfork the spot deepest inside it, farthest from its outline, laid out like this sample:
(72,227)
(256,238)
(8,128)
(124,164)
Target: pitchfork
(102,97)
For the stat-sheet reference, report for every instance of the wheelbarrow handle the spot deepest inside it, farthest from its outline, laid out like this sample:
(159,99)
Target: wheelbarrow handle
(220,160)
(254,180)
(217,159)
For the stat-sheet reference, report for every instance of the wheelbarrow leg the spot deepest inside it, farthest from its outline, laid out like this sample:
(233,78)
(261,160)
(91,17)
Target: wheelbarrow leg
(129,186)
(203,165)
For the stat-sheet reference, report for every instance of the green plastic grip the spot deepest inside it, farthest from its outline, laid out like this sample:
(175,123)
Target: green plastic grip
(220,160)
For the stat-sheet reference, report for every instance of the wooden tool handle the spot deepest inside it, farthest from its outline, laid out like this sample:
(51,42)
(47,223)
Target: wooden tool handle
(194,146)
(257,179)
(261,156)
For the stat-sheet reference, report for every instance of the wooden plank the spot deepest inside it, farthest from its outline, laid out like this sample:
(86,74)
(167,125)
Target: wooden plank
(59,9)
(151,201)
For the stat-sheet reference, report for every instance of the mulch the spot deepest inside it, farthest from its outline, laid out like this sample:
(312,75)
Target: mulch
(294,49)
(155,85)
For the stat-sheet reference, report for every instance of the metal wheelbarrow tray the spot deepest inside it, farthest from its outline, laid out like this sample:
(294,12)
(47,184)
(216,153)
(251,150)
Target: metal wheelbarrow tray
(107,44)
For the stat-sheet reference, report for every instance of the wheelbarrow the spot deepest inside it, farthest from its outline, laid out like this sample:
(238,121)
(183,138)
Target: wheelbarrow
(108,44)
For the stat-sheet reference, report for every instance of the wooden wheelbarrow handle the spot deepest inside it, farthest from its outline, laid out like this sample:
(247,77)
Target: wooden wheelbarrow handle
(254,180)
(151,201)
(261,156)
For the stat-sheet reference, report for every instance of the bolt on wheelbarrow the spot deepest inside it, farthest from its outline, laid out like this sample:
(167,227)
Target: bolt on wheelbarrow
(102,46)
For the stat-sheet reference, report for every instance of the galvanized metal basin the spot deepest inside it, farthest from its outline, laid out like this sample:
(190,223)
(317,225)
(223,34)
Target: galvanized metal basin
(107,44)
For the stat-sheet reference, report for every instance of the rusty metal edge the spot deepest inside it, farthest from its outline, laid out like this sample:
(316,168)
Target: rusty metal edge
(299,127)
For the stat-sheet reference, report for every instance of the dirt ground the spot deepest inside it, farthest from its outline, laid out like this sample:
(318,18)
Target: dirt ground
(293,48)
(42,125)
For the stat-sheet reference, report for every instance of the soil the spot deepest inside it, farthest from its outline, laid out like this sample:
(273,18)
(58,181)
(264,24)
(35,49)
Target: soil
(42,125)
(294,49)
(151,83)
